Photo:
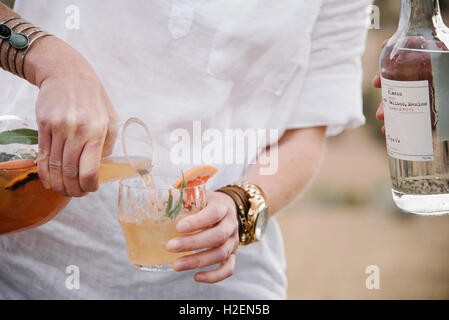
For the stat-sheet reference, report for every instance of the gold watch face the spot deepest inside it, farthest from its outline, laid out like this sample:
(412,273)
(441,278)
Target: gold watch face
(261,223)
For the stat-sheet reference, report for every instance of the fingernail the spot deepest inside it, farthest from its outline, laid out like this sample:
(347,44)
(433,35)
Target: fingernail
(173,244)
(182,226)
(180,265)
(200,277)
(45,184)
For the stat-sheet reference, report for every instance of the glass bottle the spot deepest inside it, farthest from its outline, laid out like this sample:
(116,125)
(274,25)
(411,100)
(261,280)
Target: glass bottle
(415,94)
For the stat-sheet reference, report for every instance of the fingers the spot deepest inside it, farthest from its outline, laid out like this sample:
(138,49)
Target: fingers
(218,227)
(69,155)
(209,238)
(380,115)
(89,164)
(111,137)
(380,112)
(224,271)
(209,257)
(70,167)
(376,81)
(44,145)
(74,150)
(209,216)
(55,162)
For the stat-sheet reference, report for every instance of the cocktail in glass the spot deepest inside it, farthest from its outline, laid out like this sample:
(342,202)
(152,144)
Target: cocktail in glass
(148,218)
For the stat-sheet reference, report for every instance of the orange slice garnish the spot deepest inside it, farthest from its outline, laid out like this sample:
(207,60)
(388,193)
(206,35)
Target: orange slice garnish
(196,176)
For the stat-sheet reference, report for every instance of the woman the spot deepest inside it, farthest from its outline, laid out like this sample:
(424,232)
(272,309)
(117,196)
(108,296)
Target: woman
(292,66)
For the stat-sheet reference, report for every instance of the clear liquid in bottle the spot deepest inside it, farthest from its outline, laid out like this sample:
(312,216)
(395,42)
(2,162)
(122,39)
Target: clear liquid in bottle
(415,95)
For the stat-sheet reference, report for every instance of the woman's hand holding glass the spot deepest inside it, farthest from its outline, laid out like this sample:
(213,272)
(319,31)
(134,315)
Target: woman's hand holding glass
(215,231)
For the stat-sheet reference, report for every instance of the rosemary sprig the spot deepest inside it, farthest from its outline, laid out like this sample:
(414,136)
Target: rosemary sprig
(23,136)
(169,204)
(172,213)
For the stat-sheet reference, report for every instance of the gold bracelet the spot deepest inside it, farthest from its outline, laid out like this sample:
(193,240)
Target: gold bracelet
(252,209)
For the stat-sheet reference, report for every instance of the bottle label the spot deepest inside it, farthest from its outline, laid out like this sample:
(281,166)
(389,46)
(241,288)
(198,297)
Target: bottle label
(408,124)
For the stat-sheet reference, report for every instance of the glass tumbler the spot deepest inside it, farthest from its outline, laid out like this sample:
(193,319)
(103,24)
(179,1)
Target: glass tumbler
(148,218)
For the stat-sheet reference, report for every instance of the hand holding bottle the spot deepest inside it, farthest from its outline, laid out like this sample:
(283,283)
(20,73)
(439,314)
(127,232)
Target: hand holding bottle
(414,66)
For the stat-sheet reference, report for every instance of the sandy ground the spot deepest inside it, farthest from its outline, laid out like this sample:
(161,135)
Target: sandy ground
(347,221)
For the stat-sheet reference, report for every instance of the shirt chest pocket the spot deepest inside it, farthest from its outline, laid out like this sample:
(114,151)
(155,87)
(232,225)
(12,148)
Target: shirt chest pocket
(259,47)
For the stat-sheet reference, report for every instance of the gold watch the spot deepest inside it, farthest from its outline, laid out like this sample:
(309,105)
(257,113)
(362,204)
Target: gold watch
(255,222)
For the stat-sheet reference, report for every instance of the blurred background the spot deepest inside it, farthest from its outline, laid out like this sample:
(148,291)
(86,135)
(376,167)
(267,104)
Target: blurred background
(347,221)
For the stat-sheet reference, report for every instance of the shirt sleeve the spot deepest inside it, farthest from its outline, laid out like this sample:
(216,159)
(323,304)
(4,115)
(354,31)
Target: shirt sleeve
(331,94)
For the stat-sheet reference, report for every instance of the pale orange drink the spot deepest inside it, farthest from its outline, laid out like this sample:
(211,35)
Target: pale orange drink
(148,216)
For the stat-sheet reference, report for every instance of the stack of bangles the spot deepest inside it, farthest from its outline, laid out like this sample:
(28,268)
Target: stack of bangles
(16,37)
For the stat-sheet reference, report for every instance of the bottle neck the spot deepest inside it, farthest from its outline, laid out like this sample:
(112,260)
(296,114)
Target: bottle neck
(420,14)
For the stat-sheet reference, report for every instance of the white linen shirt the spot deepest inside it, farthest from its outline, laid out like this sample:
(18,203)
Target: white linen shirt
(227,63)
